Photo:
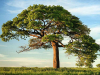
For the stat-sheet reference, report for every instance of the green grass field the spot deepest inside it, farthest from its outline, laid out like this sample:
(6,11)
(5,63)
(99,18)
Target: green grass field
(48,71)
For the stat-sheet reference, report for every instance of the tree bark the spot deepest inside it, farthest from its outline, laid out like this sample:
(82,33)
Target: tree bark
(55,55)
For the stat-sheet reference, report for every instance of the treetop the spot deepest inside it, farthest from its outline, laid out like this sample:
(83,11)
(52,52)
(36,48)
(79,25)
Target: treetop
(42,20)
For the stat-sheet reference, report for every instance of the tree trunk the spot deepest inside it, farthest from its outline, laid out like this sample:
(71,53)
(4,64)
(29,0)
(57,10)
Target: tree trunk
(55,55)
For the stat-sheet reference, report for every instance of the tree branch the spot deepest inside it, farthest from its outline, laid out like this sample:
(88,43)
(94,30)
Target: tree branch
(28,49)
(61,44)
(35,36)
(47,26)
(34,45)
(35,32)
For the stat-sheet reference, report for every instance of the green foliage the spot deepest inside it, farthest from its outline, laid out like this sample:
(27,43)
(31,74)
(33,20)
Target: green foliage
(85,48)
(33,18)
(98,65)
(47,24)
(52,37)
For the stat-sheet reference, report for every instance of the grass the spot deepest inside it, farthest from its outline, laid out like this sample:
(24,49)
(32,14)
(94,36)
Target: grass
(48,71)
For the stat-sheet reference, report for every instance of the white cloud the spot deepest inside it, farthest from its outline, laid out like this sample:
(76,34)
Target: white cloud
(95,32)
(15,11)
(17,4)
(26,60)
(46,66)
(73,6)
(86,10)
(66,63)
(98,41)
(23,4)
(65,3)
(2,55)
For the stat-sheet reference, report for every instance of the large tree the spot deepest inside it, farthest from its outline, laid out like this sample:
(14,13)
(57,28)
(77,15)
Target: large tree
(48,25)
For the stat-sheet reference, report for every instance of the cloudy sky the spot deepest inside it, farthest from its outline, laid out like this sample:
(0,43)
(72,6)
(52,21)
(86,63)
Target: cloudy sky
(87,10)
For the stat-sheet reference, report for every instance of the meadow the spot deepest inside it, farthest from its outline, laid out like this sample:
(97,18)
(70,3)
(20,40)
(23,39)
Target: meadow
(48,71)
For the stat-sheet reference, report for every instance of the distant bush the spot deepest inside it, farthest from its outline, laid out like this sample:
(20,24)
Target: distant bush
(98,65)
(23,66)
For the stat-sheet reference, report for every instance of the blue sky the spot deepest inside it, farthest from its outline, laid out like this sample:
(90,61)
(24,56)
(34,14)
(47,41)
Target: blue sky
(87,10)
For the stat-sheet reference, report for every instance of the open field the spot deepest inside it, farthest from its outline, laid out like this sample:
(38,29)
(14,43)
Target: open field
(48,71)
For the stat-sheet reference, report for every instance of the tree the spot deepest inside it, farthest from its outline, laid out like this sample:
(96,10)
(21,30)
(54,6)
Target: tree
(85,48)
(98,65)
(47,24)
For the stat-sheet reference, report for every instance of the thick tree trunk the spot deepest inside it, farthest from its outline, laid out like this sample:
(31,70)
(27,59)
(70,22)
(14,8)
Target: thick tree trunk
(55,55)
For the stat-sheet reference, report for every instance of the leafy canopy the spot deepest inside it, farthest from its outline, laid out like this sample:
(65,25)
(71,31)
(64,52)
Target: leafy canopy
(85,48)
(45,24)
